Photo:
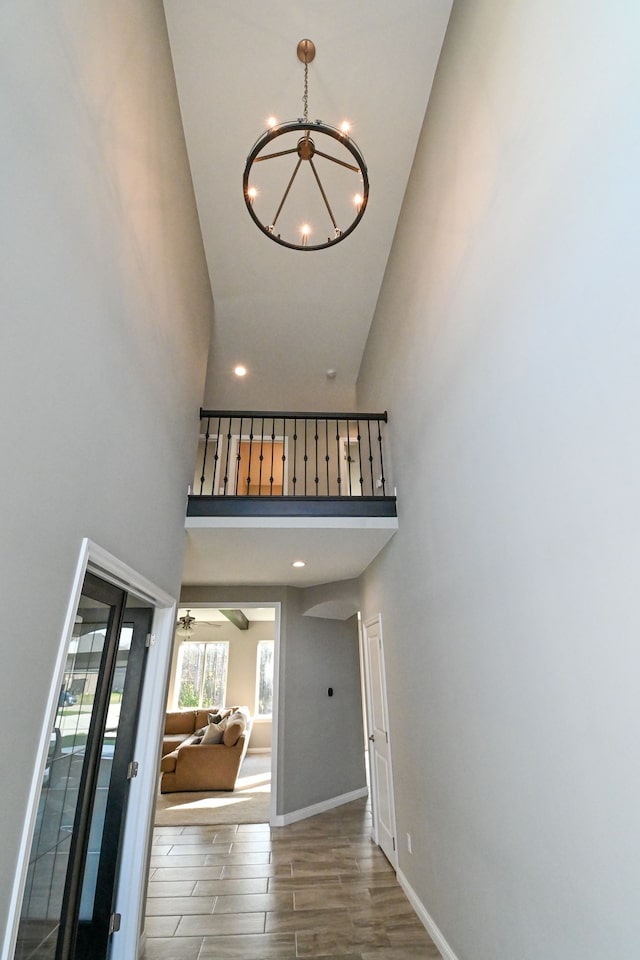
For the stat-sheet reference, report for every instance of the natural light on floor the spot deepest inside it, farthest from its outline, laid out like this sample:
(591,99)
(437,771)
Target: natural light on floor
(258,784)
(261,781)
(248,802)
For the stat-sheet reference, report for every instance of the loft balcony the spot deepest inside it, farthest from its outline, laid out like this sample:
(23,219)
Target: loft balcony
(273,485)
(291,464)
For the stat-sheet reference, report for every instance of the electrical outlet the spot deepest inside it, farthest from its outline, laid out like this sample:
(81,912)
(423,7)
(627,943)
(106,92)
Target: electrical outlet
(409,844)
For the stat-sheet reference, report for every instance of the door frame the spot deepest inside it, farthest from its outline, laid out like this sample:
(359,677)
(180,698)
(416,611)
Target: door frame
(92,935)
(131,885)
(373,782)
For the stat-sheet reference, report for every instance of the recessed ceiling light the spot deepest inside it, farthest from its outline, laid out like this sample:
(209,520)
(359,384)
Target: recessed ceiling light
(298,563)
(240,371)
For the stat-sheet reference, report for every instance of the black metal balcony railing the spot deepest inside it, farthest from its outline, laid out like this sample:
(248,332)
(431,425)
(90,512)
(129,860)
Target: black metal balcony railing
(266,456)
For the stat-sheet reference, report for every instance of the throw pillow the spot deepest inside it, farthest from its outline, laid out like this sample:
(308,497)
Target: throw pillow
(215,717)
(200,732)
(236,726)
(213,733)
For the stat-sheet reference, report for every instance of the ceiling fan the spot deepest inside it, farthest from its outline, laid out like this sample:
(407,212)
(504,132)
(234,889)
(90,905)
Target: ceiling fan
(187,624)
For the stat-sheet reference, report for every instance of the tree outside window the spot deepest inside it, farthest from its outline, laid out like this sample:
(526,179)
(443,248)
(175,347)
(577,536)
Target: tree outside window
(203,674)
(264,685)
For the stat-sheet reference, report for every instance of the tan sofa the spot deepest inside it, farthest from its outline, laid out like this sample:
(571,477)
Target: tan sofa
(188,764)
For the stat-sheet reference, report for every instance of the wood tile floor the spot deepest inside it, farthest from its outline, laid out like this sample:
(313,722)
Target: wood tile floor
(317,888)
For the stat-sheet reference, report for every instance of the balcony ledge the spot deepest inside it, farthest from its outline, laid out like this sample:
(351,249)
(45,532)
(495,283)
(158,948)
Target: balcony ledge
(283,506)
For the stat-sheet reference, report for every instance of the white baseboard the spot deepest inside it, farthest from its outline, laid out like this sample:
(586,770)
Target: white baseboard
(259,750)
(283,820)
(426,919)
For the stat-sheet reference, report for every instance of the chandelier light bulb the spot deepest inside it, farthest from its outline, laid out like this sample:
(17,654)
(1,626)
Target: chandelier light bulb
(272,122)
(345,127)
(357,200)
(305,231)
(252,193)
(240,371)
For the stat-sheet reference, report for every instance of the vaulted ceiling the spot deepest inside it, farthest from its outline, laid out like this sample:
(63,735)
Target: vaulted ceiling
(290,316)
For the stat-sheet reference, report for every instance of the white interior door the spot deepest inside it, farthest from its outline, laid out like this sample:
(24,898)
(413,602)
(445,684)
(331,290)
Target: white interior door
(384,821)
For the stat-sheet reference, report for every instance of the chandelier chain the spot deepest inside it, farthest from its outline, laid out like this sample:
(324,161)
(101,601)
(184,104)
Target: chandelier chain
(305,96)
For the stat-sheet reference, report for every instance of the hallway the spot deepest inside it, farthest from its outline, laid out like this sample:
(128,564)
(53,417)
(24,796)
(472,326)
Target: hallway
(317,888)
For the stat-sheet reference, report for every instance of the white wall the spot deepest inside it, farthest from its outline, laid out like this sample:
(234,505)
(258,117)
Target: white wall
(106,309)
(506,348)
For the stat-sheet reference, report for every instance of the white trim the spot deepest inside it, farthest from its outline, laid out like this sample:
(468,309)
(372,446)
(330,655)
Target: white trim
(142,796)
(110,568)
(292,523)
(283,820)
(426,919)
(275,717)
(259,749)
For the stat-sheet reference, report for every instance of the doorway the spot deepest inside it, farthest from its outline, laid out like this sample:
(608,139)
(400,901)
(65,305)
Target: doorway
(353,468)
(68,904)
(259,465)
(249,632)
(377,716)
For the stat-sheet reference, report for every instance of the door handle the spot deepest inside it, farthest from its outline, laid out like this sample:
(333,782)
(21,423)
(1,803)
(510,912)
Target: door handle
(372,738)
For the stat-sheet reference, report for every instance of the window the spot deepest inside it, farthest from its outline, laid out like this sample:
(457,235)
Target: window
(203,674)
(264,685)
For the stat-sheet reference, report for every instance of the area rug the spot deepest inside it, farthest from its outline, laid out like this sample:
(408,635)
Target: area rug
(248,803)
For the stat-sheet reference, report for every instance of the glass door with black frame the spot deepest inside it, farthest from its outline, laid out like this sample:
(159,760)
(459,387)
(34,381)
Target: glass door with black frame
(67,909)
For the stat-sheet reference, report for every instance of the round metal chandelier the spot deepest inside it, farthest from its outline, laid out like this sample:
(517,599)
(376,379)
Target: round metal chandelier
(328,200)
